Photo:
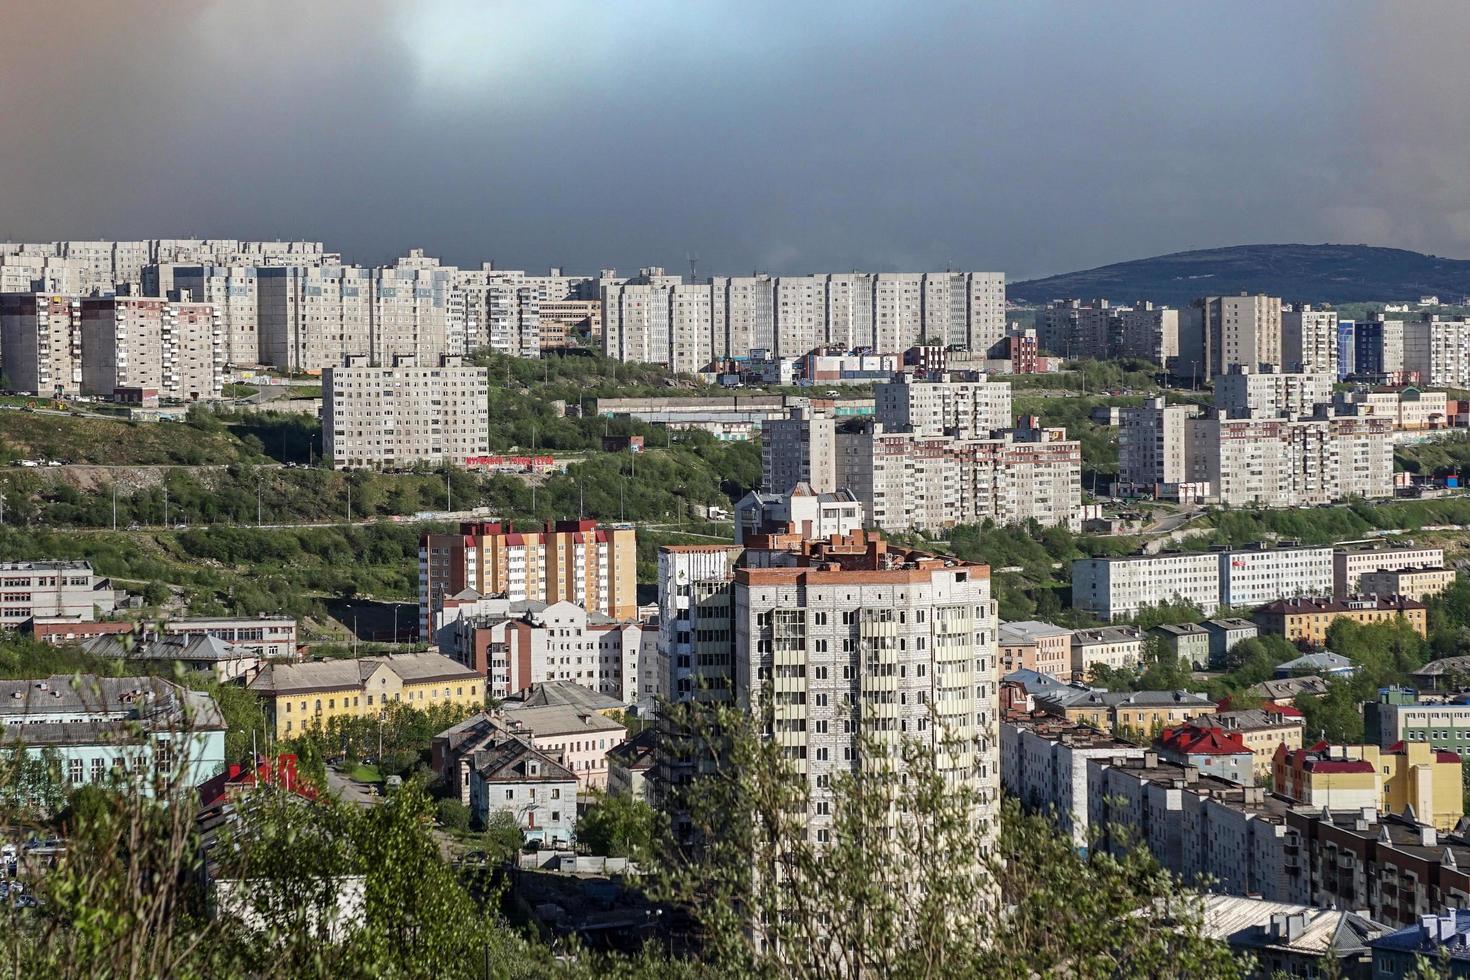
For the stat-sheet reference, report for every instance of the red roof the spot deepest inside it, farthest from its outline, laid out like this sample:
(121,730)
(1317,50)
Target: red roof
(1289,710)
(1440,755)
(1199,740)
(1338,765)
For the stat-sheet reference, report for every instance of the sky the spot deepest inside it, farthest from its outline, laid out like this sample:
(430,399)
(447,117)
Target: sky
(1026,136)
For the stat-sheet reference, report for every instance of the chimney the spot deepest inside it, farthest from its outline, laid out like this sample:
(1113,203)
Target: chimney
(1428,837)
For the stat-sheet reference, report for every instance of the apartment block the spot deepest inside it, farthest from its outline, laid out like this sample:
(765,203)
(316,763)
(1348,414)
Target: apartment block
(801,448)
(231,290)
(696,627)
(909,482)
(1137,713)
(1043,763)
(1243,393)
(1187,640)
(860,641)
(958,409)
(52,588)
(1152,445)
(1399,716)
(1410,775)
(575,561)
(1262,730)
(1437,351)
(1410,409)
(1117,647)
(1240,331)
(1117,588)
(270,637)
(1291,462)
(1308,620)
(1071,328)
(1349,565)
(173,346)
(388,417)
(1309,340)
(1208,748)
(1378,348)
(563,323)
(41,343)
(659,318)
(802,510)
(1253,576)
(1030,645)
(1200,827)
(1413,583)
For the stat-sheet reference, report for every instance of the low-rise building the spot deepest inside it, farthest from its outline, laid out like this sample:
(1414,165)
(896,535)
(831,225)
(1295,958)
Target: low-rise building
(1399,716)
(1117,588)
(535,789)
(1210,749)
(1410,775)
(1031,645)
(801,510)
(143,729)
(1292,940)
(1308,619)
(1283,691)
(304,697)
(1142,713)
(568,723)
(52,588)
(1349,565)
(1445,674)
(1262,730)
(1440,938)
(269,637)
(1224,634)
(1413,583)
(1260,574)
(1118,647)
(1188,640)
(1324,663)
(630,764)
(201,653)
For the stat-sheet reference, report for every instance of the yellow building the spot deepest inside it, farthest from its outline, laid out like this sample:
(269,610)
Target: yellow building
(1350,777)
(300,697)
(1141,712)
(1307,618)
(1414,583)
(1262,730)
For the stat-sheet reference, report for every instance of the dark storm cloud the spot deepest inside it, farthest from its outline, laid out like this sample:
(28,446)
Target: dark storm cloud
(1031,137)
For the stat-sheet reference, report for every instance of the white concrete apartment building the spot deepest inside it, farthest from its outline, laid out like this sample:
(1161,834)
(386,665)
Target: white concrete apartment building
(959,409)
(1147,331)
(1152,445)
(1291,462)
(41,343)
(1118,647)
(1438,351)
(400,415)
(1117,588)
(908,482)
(1072,328)
(232,291)
(1244,393)
(1256,576)
(799,449)
(659,318)
(696,627)
(173,346)
(52,588)
(871,642)
(98,266)
(812,514)
(1309,340)
(1240,331)
(1043,763)
(1349,565)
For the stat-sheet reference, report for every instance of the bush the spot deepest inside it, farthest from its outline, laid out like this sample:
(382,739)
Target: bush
(452,815)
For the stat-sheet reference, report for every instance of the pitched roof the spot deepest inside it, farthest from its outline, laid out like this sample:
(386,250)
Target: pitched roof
(336,675)
(1192,739)
(637,752)
(515,761)
(544,694)
(1323,660)
(1289,687)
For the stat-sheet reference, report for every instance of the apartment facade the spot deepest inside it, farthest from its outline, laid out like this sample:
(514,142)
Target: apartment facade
(1414,583)
(269,637)
(1117,588)
(1309,341)
(863,641)
(1243,393)
(696,627)
(1349,565)
(1030,645)
(1253,576)
(801,448)
(1117,647)
(233,293)
(172,346)
(1071,328)
(388,417)
(1308,619)
(52,588)
(41,343)
(958,409)
(1240,331)
(579,561)
(1044,765)
(1152,448)
(1437,351)
(1410,775)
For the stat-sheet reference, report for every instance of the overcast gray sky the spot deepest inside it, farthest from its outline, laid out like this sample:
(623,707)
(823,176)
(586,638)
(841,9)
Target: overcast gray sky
(796,136)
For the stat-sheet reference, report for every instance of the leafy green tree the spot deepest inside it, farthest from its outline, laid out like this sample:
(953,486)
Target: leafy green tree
(616,825)
(502,838)
(452,814)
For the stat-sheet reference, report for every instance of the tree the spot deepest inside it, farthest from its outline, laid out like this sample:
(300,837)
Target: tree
(502,838)
(615,825)
(452,815)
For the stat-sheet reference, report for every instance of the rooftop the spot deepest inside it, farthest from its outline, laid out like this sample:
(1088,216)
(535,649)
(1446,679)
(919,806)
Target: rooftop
(330,675)
(1262,924)
(1301,605)
(1029,631)
(1199,739)
(1106,634)
(1073,698)
(515,761)
(861,556)
(1289,687)
(1324,660)
(1229,623)
(1180,629)
(558,720)
(45,566)
(563,694)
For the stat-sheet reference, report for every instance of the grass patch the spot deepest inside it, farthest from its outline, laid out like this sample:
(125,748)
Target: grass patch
(364,773)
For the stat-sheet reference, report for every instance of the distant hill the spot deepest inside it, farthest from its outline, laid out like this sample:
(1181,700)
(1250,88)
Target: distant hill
(1301,273)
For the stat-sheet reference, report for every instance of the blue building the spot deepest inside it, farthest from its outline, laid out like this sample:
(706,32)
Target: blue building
(1441,941)
(1346,348)
(99,729)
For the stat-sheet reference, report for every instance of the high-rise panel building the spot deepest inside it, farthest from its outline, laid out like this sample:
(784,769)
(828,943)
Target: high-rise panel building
(41,343)
(1437,351)
(1240,331)
(1271,394)
(1152,445)
(231,290)
(962,409)
(799,449)
(404,414)
(171,346)
(1309,340)
(575,561)
(1378,347)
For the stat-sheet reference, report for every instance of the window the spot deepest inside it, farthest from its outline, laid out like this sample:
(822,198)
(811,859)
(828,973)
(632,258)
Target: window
(510,794)
(74,771)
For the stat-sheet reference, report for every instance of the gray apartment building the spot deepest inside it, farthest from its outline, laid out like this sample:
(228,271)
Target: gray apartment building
(52,588)
(397,416)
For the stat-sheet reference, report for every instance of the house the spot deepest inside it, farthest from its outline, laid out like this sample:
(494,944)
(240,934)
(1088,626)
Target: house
(1020,688)
(1210,749)
(539,792)
(1324,664)
(238,780)
(1224,634)
(629,764)
(1441,941)
(195,652)
(1118,647)
(1031,645)
(1188,640)
(1288,689)
(1445,674)
(1262,730)
(1286,939)
(1141,712)
(573,736)
(301,697)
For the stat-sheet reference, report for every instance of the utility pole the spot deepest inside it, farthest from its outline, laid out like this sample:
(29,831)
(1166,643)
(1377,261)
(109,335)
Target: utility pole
(581,508)
(349,500)
(258,480)
(448,490)
(165,503)
(114,505)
